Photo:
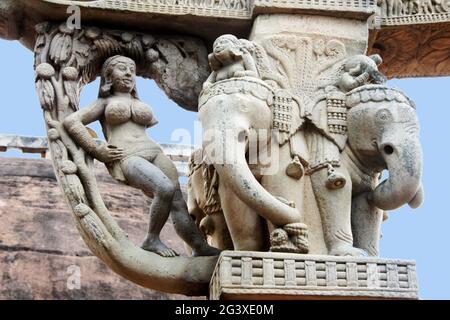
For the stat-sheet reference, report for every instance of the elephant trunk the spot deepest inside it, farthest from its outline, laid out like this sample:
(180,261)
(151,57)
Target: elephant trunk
(237,175)
(230,118)
(404,162)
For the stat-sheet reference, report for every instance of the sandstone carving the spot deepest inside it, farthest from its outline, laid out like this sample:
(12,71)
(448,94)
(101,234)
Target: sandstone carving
(337,148)
(250,275)
(65,58)
(131,156)
(236,101)
(298,126)
(430,54)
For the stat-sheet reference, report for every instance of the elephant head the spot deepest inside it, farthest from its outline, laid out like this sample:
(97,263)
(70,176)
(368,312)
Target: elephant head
(383,132)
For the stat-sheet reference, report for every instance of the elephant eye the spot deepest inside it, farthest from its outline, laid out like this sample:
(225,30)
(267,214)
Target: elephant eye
(383,115)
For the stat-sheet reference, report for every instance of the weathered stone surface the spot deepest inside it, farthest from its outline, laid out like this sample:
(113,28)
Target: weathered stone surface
(404,56)
(301,70)
(38,239)
(393,22)
(305,79)
(34,275)
(257,275)
(179,154)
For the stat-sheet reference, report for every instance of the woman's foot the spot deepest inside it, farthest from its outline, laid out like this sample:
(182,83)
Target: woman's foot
(155,245)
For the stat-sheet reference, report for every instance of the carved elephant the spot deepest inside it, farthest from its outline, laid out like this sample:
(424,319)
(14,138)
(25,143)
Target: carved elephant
(231,111)
(382,135)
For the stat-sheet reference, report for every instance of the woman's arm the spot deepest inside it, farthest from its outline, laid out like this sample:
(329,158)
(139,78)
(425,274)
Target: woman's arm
(75,126)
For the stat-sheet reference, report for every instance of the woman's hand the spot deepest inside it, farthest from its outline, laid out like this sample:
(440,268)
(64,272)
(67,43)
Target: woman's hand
(108,153)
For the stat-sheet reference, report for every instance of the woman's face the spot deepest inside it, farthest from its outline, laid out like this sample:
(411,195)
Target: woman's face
(123,76)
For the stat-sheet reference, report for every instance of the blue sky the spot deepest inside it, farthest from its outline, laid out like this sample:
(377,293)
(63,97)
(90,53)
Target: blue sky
(422,234)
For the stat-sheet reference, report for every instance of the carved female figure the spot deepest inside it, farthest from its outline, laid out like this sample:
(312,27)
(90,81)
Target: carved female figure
(132,157)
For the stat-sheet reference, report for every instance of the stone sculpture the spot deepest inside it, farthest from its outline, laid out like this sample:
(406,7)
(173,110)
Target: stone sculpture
(65,61)
(343,158)
(301,86)
(132,157)
(236,102)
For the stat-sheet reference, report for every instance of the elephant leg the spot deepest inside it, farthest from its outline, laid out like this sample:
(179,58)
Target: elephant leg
(366,224)
(246,227)
(216,229)
(335,210)
(194,209)
(288,189)
(282,185)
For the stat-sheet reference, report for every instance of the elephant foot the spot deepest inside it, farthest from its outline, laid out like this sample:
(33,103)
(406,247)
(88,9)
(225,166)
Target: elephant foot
(155,245)
(347,250)
(295,169)
(335,180)
(291,238)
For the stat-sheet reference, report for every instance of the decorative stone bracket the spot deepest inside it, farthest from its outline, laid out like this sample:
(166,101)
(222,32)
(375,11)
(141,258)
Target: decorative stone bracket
(65,61)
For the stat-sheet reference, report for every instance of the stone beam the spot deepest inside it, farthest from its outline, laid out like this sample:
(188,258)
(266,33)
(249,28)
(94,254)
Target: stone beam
(395,25)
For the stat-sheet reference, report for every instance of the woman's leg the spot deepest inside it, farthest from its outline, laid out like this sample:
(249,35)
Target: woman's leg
(145,176)
(184,225)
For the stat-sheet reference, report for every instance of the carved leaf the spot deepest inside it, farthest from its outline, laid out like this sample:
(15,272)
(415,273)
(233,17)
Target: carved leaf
(61,48)
(82,53)
(46,94)
(135,50)
(71,89)
(435,58)
(107,46)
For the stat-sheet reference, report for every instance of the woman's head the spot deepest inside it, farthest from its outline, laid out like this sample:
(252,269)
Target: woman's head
(118,75)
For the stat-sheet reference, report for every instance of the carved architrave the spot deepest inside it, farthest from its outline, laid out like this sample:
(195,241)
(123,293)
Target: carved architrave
(65,61)
(416,51)
(238,9)
(403,12)
(213,18)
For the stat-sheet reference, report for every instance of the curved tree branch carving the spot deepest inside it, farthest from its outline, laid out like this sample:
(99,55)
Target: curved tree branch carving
(66,60)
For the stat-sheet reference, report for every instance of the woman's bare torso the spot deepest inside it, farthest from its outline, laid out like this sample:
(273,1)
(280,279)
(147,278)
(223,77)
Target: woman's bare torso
(127,120)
